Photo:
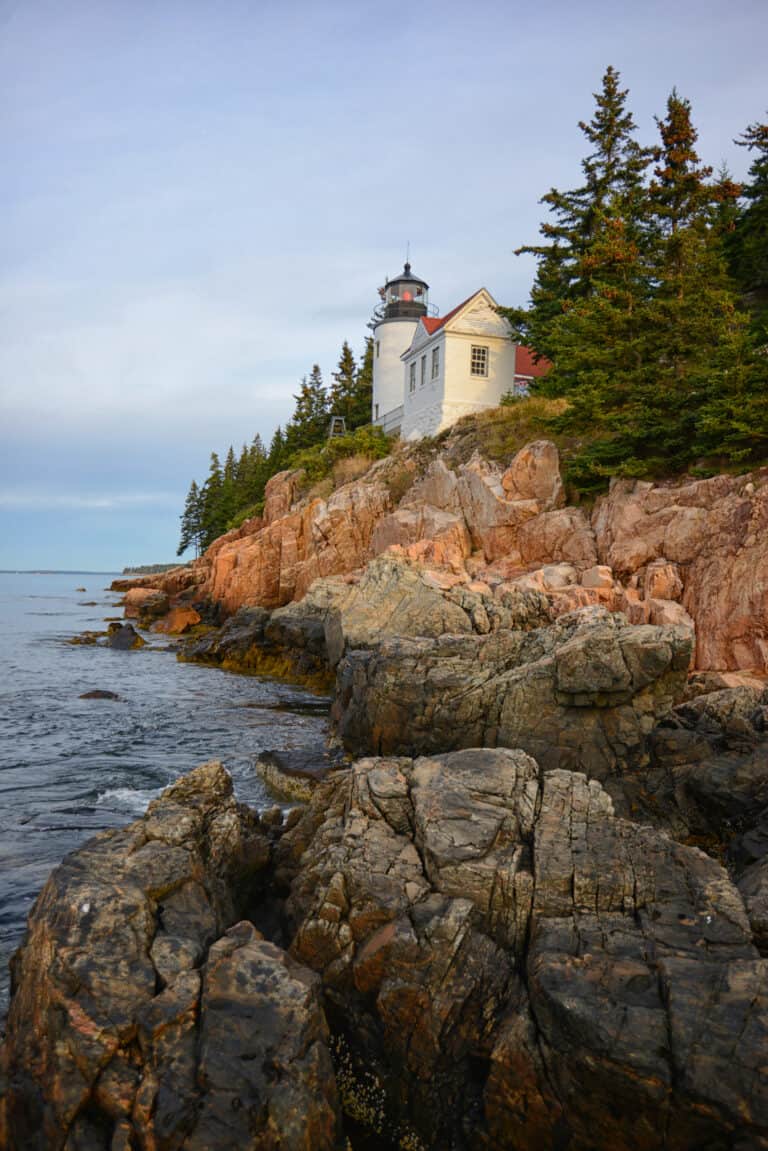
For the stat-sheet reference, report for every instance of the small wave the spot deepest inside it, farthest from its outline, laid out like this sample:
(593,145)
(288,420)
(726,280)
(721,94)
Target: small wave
(134,800)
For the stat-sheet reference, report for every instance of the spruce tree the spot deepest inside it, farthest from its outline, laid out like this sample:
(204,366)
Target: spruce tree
(342,394)
(363,408)
(701,338)
(309,424)
(613,182)
(213,523)
(277,457)
(748,246)
(191,521)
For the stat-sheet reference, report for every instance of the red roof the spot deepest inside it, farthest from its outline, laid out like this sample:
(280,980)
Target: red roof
(527,365)
(434,323)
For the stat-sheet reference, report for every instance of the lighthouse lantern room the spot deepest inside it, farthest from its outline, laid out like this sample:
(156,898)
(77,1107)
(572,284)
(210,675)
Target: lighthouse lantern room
(404,300)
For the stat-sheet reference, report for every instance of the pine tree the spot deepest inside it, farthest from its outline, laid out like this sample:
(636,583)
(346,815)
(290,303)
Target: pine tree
(309,423)
(748,247)
(277,456)
(191,521)
(352,390)
(613,187)
(648,355)
(213,523)
(702,343)
(363,408)
(342,395)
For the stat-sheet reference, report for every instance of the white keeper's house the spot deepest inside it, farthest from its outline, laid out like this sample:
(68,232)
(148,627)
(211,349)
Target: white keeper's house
(429,370)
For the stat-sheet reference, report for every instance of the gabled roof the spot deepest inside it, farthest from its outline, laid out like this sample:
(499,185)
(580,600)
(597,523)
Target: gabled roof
(527,365)
(435,323)
(432,324)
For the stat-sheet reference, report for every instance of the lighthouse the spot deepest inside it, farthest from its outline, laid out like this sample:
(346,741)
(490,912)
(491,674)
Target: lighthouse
(403,302)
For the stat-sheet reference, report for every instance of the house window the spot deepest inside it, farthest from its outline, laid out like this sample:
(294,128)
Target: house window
(377,349)
(479,361)
(377,412)
(412,377)
(423,371)
(435,363)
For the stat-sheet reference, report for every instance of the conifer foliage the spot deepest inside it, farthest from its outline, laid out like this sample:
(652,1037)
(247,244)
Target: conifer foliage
(235,491)
(634,305)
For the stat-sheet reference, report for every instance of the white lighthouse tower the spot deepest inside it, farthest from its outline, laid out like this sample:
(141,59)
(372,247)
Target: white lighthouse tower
(403,303)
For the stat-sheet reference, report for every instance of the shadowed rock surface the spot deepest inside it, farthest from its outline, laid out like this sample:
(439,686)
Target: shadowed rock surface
(501,961)
(144,1015)
(521,968)
(583,693)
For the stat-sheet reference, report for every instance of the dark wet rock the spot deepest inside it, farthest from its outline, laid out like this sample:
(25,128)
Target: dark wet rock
(582,693)
(124,637)
(99,693)
(295,774)
(254,640)
(144,1014)
(81,589)
(501,961)
(87,638)
(518,968)
(708,771)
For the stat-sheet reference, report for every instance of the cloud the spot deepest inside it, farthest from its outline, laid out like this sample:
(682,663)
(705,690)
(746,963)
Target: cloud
(50,501)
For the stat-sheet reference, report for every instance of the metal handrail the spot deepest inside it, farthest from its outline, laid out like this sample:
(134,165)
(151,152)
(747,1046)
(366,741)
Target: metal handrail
(379,311)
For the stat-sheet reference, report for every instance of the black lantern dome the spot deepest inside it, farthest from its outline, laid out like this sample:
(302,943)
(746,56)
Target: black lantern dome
(404,298)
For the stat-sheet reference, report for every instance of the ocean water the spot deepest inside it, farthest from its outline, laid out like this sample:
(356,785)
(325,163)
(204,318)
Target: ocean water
(70,767)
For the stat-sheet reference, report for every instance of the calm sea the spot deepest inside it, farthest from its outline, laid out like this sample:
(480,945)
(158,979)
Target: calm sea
(70,767)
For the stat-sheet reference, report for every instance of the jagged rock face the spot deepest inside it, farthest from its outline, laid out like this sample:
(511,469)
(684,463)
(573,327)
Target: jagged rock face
(141,1017)
(522,969)
(582,693)
(395,598)
(279,562)
(716,532)
(503,963)
(693,553)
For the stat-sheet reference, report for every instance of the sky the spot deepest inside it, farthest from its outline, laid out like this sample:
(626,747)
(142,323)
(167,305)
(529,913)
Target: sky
(199,201)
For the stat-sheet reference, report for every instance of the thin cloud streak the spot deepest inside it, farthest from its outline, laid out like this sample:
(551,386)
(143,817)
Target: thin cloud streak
(49,501)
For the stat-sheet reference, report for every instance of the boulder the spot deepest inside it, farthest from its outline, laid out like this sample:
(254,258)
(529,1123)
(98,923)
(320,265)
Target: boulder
(514,967)
(582,693)
(145,604)
(534,474)
(711,538)
(140,1014)
(178,620)
(123,637)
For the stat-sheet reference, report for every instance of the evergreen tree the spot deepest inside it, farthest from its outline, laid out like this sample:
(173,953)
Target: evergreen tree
(213,523)
(352,389)
(228,504)
(191,521)
(276,459)
(364,387)
(612,188)
(647,356)
(702,343)
(256,473)
(309,423)
(342,395)
(748,245)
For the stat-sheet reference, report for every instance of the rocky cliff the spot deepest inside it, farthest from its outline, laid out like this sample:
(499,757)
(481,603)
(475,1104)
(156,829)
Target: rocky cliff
(532,912)
(458,951)
(691,553)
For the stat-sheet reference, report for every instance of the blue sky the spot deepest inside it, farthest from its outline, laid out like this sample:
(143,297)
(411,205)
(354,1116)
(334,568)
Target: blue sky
(199,201)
